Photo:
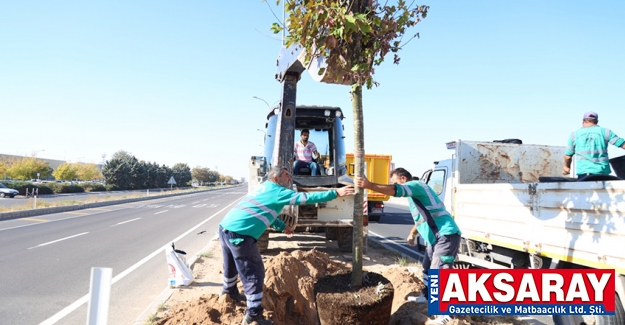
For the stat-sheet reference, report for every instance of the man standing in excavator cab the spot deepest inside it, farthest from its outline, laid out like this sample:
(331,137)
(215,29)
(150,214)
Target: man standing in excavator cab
(246,222)
(431,220)
(589,145)
(304,151)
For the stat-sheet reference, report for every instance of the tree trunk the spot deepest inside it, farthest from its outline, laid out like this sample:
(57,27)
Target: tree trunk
(359,153)
(358,6)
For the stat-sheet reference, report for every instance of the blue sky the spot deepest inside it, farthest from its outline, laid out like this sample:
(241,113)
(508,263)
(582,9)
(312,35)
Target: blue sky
(173,81)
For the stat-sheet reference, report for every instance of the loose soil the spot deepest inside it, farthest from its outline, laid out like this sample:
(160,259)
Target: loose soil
(292,267)
(340,303)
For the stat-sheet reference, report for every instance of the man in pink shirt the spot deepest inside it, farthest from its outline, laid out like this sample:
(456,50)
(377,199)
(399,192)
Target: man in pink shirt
(304,151)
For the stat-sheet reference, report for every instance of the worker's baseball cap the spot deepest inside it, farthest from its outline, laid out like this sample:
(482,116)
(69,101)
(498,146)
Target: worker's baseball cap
(591,114)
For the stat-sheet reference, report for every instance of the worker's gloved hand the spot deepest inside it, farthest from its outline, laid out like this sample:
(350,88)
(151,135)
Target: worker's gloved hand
(236,241)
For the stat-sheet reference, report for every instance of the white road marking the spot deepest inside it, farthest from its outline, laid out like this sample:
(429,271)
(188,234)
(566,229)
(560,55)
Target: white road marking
(199,205)
(388,241)
(195,202)
(161,211)
(55,220)
(58,240)
(84,299)
(123,222)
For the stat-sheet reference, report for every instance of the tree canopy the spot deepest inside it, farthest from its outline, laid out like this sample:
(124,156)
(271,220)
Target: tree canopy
(331,28)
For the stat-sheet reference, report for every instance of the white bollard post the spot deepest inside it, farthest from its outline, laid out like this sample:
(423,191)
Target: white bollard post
(148,192)
(99,296)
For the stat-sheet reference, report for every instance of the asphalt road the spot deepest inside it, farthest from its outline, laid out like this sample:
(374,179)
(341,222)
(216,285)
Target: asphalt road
(46,261)
(393,228)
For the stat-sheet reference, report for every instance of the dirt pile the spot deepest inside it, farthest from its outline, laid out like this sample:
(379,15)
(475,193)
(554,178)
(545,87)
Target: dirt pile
(288,296)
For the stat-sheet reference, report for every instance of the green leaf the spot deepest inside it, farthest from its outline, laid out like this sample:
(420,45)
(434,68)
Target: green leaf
(321,71)
(276,28)
(364,27)
(350,23)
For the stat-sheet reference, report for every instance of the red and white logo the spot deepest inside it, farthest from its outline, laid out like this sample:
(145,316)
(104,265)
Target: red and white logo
(521,291)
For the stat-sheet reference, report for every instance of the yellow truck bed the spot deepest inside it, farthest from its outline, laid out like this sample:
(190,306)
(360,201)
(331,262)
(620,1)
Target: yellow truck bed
(378,171)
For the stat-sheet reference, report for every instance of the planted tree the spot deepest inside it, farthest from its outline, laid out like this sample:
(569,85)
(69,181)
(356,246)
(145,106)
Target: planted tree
(65,171)
(117,170)
(87,172)
(4,167)
(182,173)
(353,36)
(27,168)
(201,174)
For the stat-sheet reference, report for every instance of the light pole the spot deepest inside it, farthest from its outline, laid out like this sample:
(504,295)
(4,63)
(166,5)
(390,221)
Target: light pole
(263,101)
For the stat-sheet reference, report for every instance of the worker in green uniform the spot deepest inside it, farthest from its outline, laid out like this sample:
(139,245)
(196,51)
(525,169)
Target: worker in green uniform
(246,222)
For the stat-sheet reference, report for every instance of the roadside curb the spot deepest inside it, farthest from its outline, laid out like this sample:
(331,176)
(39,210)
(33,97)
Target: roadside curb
(168,291)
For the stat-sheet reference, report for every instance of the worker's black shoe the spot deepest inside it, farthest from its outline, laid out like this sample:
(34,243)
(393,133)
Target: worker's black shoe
(247,320)
(234,296)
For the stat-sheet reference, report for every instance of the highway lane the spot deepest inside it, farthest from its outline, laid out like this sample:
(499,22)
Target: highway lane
(46,261)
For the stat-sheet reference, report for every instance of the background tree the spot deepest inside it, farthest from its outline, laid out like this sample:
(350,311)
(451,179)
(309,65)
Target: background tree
(65,171)
(163,175)
(117,170)
(353,36)
(138,174)
(182,174)
(201,174)
(151,171)
(87,172)
(27,168)
(4,167)
(213,176)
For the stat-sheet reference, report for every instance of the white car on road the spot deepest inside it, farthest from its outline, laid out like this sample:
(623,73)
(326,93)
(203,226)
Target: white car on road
(5,191)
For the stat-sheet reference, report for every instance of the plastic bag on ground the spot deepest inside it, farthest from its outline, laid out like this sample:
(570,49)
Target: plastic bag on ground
(179,272)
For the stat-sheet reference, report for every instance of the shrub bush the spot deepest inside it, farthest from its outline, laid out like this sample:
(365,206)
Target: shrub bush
(93,187)
(112,187)
(70,189)
(65,188)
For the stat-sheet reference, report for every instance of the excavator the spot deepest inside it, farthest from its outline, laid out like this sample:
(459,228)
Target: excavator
(282,128)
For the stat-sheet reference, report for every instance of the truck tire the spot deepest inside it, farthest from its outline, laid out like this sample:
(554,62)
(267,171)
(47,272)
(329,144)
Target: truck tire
(332,233)
(345,238)
(263,242)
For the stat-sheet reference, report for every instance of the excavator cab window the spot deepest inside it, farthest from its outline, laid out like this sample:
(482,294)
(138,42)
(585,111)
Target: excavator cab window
(321,140)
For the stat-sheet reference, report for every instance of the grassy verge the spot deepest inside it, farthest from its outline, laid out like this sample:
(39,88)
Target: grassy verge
(41,203)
